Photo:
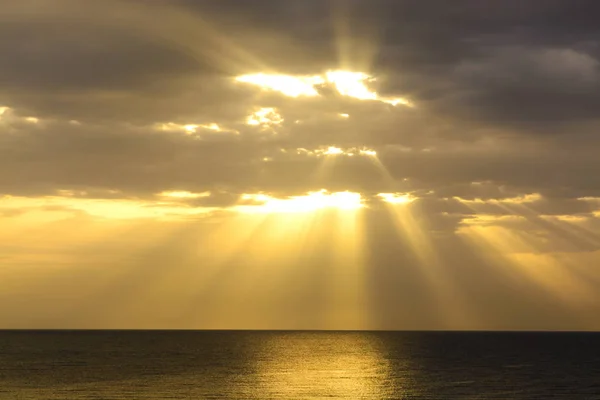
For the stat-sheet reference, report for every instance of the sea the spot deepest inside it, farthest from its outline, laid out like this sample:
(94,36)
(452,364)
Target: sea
(120,365)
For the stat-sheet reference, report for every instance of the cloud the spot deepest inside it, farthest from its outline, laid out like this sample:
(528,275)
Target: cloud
(532,86)
(175,114)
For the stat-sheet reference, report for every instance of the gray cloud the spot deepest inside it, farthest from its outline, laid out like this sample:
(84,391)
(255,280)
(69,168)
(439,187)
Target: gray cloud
(529,66)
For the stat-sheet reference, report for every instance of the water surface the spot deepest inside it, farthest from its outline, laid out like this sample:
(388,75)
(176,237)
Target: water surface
(298,365)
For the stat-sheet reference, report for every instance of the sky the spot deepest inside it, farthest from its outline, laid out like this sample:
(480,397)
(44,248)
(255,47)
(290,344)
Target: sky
(349,164)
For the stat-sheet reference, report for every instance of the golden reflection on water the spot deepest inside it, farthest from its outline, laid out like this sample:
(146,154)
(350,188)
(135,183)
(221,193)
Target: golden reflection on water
(325,365)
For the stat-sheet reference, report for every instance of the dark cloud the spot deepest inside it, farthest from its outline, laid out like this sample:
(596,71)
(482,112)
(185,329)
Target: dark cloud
(525,66)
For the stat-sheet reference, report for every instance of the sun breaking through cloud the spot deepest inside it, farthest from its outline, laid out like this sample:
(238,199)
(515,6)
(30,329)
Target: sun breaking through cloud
(337,151)
(265,117)
(346,83)
(313,201)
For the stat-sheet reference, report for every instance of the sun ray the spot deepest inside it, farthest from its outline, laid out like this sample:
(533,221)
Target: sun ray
(325,167)
(455,308)
(330,155)
(357,44)
(513,253)
(564,230)
(520,254)
(341,25)
(388,180)
(191,34)
(348,291)
(575,228)
(266,233)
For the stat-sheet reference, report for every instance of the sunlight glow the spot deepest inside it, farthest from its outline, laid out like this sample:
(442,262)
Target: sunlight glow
(184,195)
(275,236)
(265,117)
(213,127)
(367,152)
(7,114)
(172,127)
(351,84)
(313,201)
(396,198)
(399,100)
(527,198)
(337,151)
(191,129)
(333,151)
(346,83)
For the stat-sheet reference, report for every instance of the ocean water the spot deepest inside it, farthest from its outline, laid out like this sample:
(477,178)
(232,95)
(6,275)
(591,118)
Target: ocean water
(298,365)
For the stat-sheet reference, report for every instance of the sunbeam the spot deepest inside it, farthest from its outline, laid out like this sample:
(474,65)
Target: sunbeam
(525,252)
(448,298)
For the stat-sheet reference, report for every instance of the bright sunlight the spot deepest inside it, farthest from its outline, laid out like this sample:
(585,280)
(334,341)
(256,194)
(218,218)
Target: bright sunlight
(346,83)
(313,201)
